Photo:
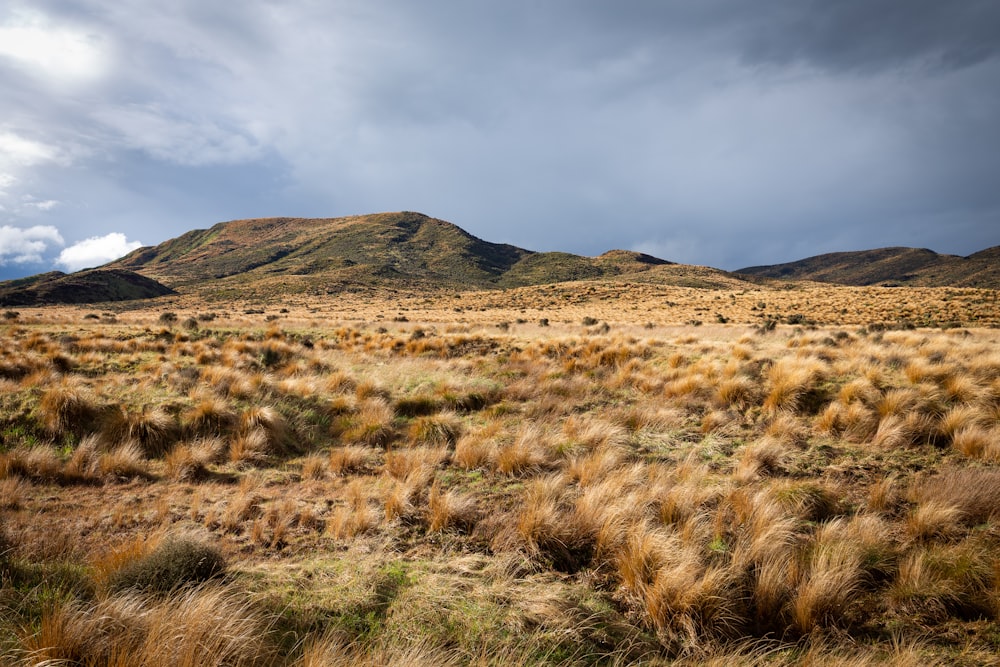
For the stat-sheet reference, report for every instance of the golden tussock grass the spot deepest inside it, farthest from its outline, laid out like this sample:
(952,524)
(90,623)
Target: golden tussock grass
(537,494)
(529,451)
(350,459)
(197,627)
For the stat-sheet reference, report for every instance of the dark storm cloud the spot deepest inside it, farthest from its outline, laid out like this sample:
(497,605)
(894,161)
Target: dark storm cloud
(877,34)
(717,132)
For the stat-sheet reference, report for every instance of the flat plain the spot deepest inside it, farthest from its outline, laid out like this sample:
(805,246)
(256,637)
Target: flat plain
(597,472)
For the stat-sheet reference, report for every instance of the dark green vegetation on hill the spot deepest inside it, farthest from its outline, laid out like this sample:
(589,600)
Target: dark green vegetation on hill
(917,267)
(93,286)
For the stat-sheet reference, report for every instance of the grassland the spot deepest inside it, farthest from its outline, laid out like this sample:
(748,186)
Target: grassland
(584,473)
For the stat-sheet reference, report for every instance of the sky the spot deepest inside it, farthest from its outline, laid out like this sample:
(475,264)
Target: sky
(718,132)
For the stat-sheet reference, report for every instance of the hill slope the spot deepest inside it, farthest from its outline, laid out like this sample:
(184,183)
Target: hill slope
(296,254)
(904,266)
(93,286)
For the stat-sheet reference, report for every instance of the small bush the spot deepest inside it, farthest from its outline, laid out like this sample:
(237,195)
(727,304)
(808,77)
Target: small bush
(176,563)
(168,318)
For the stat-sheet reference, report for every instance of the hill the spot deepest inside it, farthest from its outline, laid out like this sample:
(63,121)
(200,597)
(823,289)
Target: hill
(92,286)
(917,267)
(329,254)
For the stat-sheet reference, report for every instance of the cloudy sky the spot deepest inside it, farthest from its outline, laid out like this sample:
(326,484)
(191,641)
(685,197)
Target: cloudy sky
(718,132)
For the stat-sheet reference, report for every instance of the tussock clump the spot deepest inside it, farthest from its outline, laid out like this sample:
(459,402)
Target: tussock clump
(809,500)
(124,462)
(978,443)
(590,434)
(12,492)
(596,465)
(188,462)
(793,386)
(209,417)
(973,492)
(350,459)
(372,425)
(68,407)
(543,527)
(263,433)
(833,580)
(759,459)
(937,581)
(37,463)
(174,563)
(154,429)
(202,626)
(450,510)
(314,466)
(914,429)
(738,392)
(417,406)
(529,451)
(442,429)
(473,450)
(251,448)
(403,463)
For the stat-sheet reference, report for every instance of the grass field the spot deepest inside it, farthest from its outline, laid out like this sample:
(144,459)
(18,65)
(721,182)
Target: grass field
(575,474)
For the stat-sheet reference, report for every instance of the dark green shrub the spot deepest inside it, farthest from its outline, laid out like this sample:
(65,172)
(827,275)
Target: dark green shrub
(589,321)
(168,318)
(177,562)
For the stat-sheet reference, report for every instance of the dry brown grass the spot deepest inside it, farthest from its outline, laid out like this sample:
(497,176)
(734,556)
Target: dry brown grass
(562,494)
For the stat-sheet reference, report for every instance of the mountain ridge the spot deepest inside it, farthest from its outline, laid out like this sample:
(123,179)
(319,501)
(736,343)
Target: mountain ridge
(269,257)
(890,266)
(404,246)
(88,286)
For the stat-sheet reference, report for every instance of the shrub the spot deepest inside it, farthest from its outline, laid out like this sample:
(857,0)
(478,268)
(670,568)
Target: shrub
(168,318)
(176,563)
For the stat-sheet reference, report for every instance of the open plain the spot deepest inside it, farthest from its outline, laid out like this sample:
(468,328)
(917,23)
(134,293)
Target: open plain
(692,471)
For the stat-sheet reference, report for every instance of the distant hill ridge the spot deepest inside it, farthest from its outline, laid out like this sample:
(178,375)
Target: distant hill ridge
(90,286)
(270,257)
(917,267)
(406,246)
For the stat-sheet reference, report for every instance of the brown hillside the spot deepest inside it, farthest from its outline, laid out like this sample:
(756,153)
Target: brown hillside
(891,266)
(295,255)
(93,286)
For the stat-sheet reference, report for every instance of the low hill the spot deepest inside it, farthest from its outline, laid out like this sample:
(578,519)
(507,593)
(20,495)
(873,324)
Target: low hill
(916,267)
(92,286)
(327,254)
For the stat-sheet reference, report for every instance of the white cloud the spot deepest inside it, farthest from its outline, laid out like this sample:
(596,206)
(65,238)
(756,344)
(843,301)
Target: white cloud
(46,205)
(95,251)
(26,245)
(62,54)
(25,152)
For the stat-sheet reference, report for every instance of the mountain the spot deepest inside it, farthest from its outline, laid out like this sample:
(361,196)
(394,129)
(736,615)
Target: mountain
(91,286)
(406,248)
(916,267)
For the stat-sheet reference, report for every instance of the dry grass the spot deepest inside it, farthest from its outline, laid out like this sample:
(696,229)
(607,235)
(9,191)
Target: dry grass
(559,494)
